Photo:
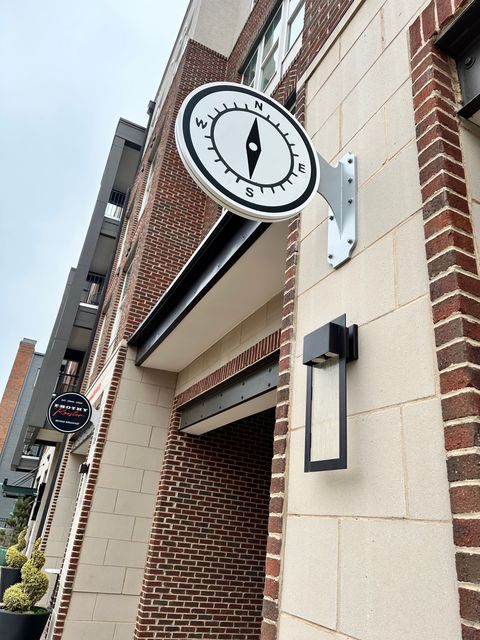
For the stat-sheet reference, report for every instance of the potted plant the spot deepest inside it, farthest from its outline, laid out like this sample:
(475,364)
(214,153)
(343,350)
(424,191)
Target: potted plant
(15,559)
(20,619)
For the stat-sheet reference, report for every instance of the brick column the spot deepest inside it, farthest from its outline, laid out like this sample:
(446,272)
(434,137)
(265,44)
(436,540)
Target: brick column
(454,291)
(277,486)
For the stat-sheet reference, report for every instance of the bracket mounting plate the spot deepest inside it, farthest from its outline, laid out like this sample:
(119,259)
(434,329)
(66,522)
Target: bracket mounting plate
(338,185)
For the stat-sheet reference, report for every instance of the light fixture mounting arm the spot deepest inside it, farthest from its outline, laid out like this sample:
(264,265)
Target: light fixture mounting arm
(338,185)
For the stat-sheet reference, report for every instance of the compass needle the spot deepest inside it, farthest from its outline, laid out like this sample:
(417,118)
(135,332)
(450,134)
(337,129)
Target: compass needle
(254,148)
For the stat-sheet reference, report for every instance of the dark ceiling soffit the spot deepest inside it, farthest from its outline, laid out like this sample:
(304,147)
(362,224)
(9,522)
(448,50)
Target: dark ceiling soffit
(247,385)
(227,243)
(462,32)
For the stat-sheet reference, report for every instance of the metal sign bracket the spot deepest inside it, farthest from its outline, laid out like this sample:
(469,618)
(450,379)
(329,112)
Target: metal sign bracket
(338,185)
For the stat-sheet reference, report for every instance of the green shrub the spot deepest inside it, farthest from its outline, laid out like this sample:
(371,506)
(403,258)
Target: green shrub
(25,594)
(15,557)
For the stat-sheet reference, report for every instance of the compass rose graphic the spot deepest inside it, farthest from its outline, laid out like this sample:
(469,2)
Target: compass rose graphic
(246,151)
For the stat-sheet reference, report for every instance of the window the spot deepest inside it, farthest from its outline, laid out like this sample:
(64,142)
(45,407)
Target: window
(280,43)
(119,313)
(148,187)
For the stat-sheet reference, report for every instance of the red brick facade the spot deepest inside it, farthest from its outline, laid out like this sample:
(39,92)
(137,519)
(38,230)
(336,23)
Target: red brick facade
(205,569)
(454,289)
(14,386)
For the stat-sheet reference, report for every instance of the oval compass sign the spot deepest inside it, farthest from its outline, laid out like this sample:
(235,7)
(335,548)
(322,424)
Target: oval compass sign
(69,412)
(246,151)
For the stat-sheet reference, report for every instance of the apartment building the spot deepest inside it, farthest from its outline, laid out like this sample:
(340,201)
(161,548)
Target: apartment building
(16,397)
(196,515)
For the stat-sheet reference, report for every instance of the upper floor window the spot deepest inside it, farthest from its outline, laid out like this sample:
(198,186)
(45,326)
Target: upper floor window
(280,43)
(148,187)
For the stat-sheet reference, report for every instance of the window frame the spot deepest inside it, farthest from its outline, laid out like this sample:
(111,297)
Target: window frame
(279,47)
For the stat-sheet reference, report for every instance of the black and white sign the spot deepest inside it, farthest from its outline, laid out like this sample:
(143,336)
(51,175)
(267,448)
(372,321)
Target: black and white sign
(247,151)
(69,412)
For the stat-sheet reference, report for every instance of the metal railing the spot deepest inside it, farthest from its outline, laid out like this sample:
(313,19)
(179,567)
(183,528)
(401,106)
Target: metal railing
(115,205)
(66,383)
(93,289)
(33,450)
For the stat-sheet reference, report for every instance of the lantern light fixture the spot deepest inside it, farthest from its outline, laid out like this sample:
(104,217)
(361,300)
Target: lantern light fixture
(326,352)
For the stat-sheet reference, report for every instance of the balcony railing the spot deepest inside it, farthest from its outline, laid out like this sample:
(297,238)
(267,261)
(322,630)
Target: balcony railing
(66,383)
(34,451)
(93,289)
(115,205)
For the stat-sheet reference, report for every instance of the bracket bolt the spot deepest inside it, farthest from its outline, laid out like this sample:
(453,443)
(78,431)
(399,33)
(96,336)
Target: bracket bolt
(469,62)
(350,180)
(350,200)
(330,256)
(350,241)
(330,217)
(350,160)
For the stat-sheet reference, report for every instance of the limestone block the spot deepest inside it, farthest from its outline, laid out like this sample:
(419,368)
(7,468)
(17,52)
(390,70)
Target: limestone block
(93,550)
(133,581)
(141,530)
(380,82)
(87,630)
(116,608)
(102,579)
(126,554)
(113,477)
(104,500)
(428,496)
(150,482)
(106,525)
(410,261)
(310,569)
(389,347)
(373,483)
(416,598)
(129,432)
(143,458)
(391,196)
(82,606)
(114,453)
(135,504)
(400,123)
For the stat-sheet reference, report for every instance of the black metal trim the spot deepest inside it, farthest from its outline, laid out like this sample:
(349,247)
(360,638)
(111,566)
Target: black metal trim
(461,32)
(256,380)
(227,243)
(470,108)
(334,335)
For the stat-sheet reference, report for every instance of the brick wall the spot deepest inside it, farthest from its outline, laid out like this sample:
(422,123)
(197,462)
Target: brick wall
(174,221)
(205,569)
(454,290)
(14,385)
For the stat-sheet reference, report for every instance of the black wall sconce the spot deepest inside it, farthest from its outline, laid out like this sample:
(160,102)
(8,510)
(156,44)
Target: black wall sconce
(326,352)
(461,41)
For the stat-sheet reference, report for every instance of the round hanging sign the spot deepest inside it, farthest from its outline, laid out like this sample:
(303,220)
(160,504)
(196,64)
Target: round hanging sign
(69,412)
(247,151)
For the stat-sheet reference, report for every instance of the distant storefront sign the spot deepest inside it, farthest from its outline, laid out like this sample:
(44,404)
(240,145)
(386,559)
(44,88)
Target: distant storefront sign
(69,412)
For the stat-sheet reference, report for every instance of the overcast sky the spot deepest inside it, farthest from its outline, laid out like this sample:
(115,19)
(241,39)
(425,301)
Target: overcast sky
(68,72)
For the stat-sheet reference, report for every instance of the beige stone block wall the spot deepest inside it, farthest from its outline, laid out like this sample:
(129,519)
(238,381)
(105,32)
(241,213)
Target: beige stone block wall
(368,551)
(109,576)
(62,519)
(265,321)
(470,142)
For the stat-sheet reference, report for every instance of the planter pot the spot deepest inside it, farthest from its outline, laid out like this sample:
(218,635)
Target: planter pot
(23,626)
(8,576)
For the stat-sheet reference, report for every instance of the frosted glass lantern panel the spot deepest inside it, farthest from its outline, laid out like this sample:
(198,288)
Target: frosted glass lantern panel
(325,416)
